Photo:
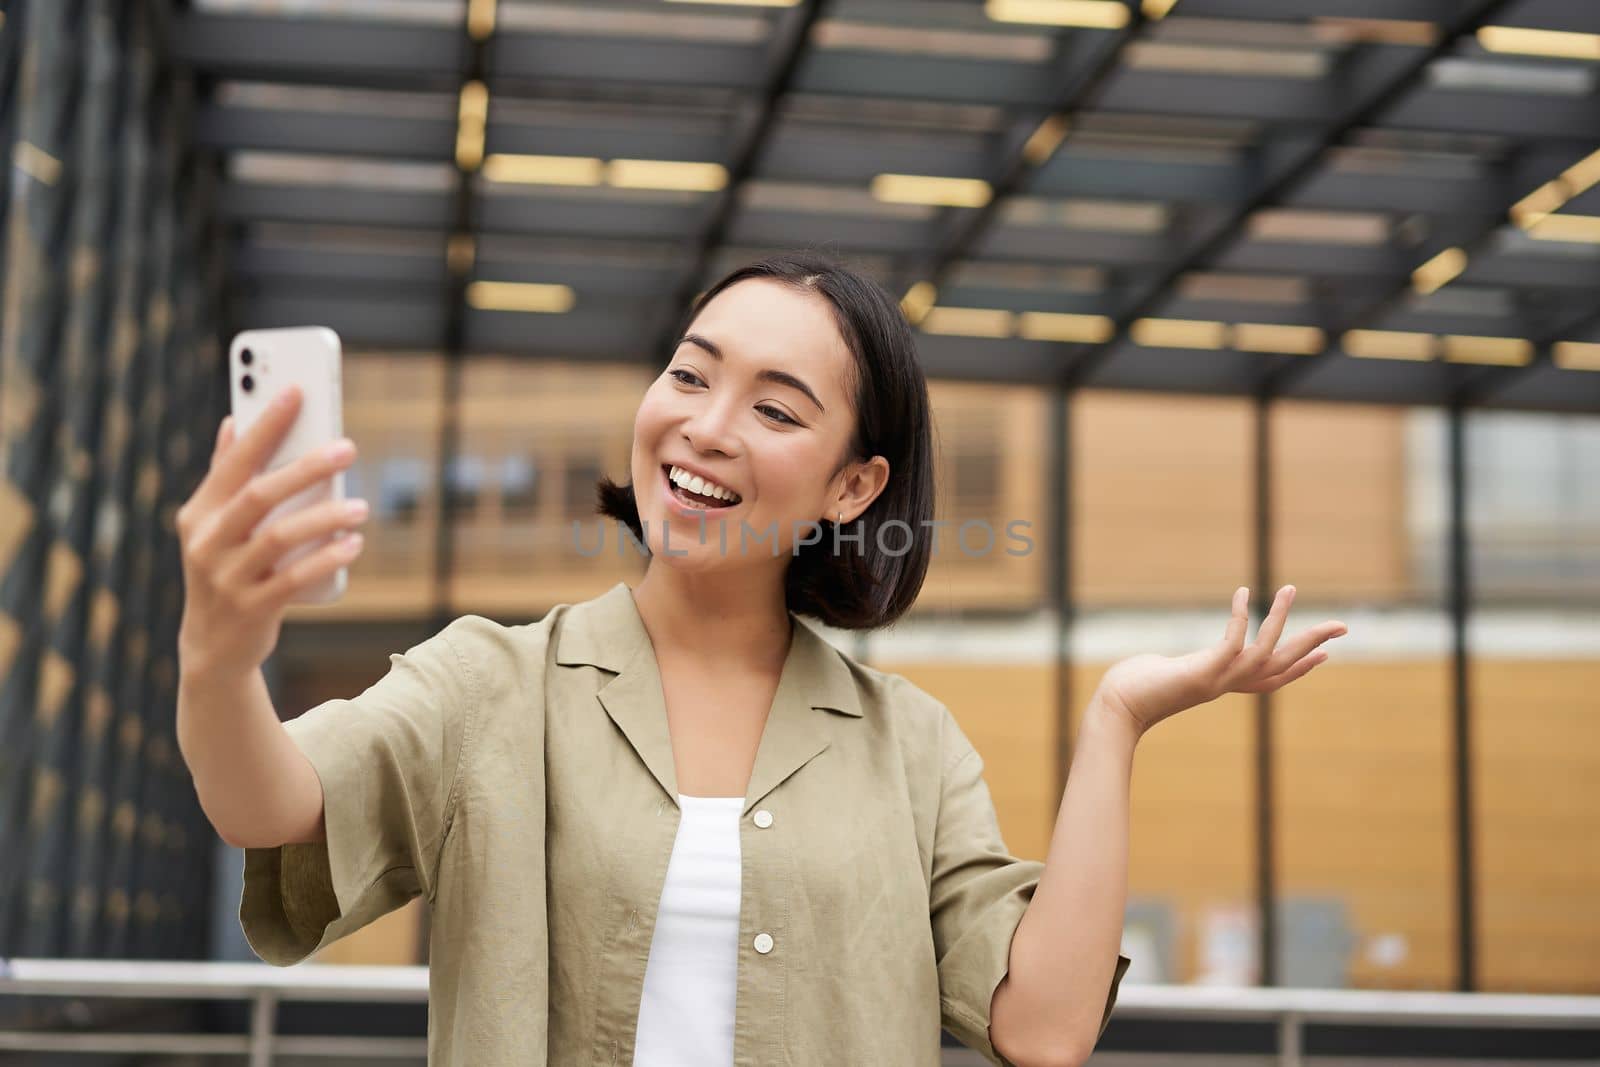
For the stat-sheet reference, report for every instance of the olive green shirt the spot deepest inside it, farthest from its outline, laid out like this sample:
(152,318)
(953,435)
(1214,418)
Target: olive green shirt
(521,779)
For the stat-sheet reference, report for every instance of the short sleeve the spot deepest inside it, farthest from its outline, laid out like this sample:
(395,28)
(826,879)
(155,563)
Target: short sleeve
(978,894)
(388,760)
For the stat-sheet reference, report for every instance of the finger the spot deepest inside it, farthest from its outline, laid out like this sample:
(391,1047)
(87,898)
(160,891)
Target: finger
(244,512)
(1304,642)
(224,438)
(1283,678)
(1272,625)
(255,446)
(1239,622)
(1224,652)
(281,588)
(274,541)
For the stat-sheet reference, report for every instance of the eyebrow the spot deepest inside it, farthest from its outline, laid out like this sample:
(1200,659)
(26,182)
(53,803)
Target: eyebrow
(765,374)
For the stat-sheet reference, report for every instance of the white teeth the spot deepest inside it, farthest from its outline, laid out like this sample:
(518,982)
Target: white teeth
(696,484)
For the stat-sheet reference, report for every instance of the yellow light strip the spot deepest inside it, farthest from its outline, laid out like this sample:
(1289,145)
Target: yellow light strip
(1058,326)
(1178,333)
(544,170)
(1438,271)
(1157,9)
(1549,197)
(1576,355)
(480,18)
(662,174)
(521,296)
(472,113)
(1582,174)
(1539,203)
(666,174)
(1501,351)
(1090,14)
(968,322)
(36,163)
(1583,229)
(924,189)
(1274,337)
(1390,344)
(1560,44)
(918,300)
(1044,141)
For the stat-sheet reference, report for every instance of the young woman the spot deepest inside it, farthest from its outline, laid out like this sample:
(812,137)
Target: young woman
(672,825)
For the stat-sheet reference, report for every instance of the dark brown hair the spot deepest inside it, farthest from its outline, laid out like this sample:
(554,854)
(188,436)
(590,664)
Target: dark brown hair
(860,586)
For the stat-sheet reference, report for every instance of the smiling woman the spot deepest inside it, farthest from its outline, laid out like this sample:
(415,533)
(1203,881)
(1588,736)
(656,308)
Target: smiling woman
(673,825)
(789,434)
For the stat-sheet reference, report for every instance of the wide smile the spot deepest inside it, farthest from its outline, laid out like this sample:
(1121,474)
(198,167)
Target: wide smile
(686,504)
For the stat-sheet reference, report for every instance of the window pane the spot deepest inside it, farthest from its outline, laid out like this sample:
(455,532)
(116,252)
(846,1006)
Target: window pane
(1362,777)
(535,437)
(1161,537)
(1534,523)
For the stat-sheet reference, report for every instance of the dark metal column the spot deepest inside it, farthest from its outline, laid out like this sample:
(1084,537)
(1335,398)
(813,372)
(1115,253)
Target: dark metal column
(1261,602)
(1460,598)
(1058,542)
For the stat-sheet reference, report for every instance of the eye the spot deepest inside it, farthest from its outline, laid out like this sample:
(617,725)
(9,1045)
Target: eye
(688,377)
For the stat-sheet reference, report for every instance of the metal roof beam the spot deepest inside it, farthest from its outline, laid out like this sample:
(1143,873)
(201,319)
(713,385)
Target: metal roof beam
(327,51)
(1374,83)
(785,54)
(388,136)
(1297,10)
(1084,60)
(1513,179)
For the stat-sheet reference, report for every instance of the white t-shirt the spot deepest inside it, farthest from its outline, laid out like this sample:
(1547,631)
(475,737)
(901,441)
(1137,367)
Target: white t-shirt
(686,1011)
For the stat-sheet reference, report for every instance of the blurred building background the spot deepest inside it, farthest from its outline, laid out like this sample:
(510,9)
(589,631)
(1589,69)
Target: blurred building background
(1210,293)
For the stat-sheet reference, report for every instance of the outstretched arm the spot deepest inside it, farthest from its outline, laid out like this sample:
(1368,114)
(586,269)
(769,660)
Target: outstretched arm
(1064,953)
(1048,1008)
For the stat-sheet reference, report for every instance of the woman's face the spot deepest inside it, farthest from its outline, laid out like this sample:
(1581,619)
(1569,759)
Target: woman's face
(756,398)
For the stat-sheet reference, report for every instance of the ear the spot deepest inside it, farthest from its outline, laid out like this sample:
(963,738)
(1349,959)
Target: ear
(862,482)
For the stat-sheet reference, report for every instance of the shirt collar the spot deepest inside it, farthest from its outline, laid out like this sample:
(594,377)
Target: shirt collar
(607,632)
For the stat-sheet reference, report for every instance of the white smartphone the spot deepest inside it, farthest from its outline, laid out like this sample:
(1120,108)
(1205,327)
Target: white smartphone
(261,363)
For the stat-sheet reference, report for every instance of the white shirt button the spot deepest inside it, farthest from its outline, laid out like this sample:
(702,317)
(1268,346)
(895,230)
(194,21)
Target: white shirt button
(763,943)
(763,818)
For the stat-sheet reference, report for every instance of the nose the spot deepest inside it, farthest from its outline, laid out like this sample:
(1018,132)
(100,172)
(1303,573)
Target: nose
(710,427)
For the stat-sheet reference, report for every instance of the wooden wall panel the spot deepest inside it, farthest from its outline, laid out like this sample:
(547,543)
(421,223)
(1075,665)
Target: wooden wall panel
(1362,800)
(1339,500)
(1145,468)
(1536,746)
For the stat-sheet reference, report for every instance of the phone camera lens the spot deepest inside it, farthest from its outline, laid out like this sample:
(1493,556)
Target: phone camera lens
(246,356)
(247,383)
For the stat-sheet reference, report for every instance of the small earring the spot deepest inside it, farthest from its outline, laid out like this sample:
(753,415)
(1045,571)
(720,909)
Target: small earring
(841,519)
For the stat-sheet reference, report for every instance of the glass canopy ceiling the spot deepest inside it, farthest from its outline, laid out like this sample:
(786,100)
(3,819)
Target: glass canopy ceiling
(1365,200)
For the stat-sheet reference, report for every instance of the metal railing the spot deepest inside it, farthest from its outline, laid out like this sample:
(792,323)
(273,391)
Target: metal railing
(264,987)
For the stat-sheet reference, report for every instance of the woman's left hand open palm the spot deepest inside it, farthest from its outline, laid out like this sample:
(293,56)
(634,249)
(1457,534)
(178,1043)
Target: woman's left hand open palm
(1149,688)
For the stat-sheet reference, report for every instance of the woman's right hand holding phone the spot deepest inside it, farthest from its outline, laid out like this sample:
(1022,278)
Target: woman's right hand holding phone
(234,599)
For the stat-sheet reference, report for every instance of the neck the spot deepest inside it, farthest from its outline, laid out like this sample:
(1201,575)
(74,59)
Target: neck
(715,619)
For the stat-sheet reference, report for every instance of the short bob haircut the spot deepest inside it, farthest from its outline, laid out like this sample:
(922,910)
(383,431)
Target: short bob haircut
(861,586)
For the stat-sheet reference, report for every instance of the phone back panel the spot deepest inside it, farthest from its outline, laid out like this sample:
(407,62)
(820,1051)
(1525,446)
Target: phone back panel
(309,357)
